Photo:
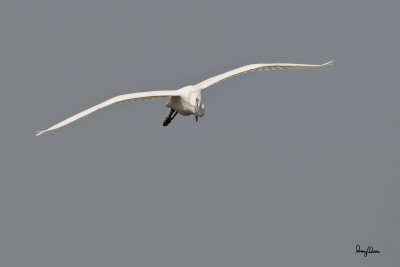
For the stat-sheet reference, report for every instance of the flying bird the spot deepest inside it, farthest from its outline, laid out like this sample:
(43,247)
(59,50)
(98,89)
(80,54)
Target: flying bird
(186,100)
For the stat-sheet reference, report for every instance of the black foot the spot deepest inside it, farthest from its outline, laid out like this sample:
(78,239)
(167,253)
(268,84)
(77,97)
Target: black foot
(167,121)
(170,117)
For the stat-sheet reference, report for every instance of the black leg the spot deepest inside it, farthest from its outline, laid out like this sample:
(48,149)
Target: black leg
(170,117)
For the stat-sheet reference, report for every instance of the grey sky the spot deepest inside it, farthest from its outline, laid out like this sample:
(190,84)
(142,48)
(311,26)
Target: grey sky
(287,168)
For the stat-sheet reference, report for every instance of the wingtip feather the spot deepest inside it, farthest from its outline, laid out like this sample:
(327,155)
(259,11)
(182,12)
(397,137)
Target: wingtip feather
(328,63)
(39,132)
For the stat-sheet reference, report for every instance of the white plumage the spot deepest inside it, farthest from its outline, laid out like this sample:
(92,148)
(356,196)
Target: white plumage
(187,100)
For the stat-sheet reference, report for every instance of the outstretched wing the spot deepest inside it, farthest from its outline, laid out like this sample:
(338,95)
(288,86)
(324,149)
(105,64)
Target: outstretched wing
(255,67)
(134,97)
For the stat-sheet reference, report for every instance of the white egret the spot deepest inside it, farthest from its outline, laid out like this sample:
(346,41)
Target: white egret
(187,100)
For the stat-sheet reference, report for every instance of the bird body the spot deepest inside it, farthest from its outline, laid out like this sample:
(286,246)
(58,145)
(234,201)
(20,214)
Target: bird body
(186,100)
(185,103)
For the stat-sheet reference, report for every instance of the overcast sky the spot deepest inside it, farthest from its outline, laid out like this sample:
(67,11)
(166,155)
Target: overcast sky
(286,168)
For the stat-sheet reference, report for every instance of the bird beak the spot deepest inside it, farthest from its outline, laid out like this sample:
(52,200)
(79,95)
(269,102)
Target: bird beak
(196,111)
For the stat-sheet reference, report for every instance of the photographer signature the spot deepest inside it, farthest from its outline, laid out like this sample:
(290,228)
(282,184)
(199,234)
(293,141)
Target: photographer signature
(369,250)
